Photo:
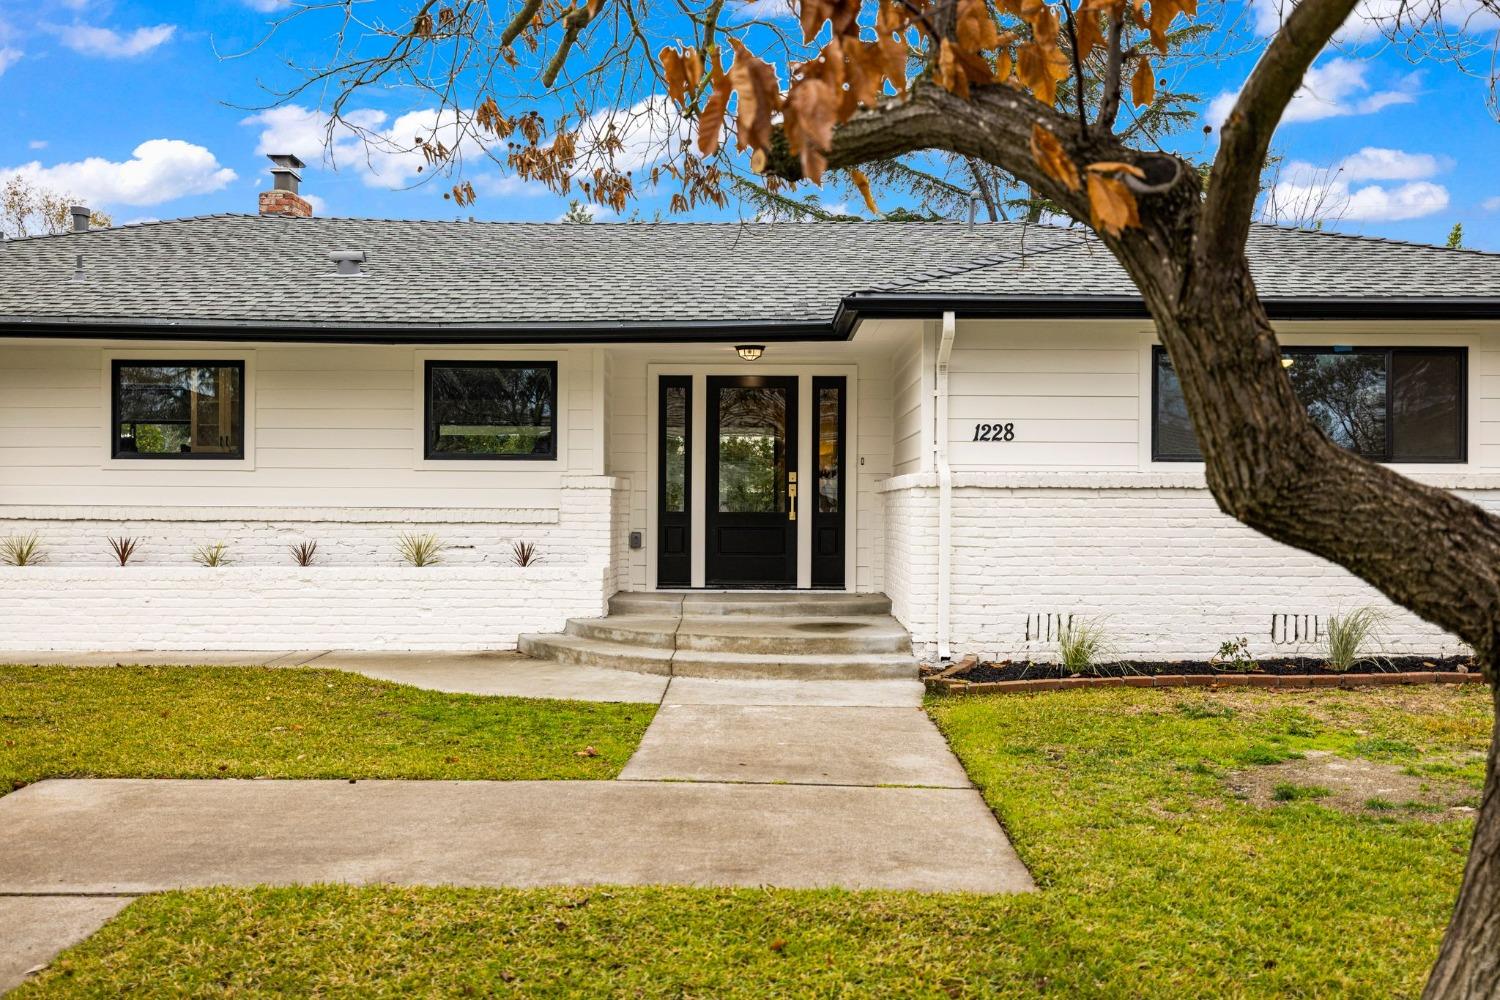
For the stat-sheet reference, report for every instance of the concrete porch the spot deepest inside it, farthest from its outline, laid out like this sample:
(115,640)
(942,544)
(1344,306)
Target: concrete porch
(766,635)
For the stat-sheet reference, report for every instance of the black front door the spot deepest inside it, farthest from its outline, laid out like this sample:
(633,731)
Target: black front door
(752,475)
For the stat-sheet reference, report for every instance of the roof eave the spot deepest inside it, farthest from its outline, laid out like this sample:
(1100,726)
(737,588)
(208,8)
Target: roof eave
(895,305)
(727,331)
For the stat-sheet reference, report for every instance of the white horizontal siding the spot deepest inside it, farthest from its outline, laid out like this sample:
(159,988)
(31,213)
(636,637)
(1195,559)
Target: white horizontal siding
(329,427)
(910,388)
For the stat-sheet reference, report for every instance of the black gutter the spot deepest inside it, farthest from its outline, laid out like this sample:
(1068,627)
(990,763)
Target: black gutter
(884,305)
(851,311)
(730,332)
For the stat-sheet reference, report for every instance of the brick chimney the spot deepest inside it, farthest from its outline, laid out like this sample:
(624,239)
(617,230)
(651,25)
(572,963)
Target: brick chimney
(283,198)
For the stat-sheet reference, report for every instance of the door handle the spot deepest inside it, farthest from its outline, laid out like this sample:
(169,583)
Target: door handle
(791,507)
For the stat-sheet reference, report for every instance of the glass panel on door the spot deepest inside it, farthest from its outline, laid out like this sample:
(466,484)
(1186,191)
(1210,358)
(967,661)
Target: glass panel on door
(752,450)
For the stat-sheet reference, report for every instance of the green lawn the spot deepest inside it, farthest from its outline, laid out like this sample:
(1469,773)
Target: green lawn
(1156,881)
(241,722)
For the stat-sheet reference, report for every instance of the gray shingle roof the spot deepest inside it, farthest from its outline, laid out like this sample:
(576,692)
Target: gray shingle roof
(246,270)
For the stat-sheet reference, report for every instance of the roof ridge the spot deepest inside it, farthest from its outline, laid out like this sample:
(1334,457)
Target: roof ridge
(631,223)
(138,224)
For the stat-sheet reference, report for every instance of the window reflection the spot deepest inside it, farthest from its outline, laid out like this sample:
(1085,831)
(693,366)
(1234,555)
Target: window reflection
(1388,405)
(179,411)
(491,410)
(752,450)
(828,450)
(1345,396)
(674,448)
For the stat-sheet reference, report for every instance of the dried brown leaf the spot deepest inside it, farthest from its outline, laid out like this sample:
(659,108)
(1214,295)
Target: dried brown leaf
(711,121)
(1049,154)
(809,120)
(1143,84)
(754,80)
(1111,205)
(862,184)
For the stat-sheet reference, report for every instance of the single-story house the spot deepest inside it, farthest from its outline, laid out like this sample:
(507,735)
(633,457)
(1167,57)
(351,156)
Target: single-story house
(975,420)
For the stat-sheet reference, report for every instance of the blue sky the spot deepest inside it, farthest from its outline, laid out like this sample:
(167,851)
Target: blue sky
(130,106)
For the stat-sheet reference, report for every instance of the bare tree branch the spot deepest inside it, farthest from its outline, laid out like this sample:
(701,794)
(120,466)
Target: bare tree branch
(1234,184)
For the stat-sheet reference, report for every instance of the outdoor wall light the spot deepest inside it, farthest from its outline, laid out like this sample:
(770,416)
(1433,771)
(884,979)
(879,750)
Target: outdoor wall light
(750,352)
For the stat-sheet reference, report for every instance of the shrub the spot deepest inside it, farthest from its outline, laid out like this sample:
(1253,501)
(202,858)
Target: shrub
(1234,654)
(1349,636)
(124,548)
(420,550)
(214,555)
(21,550)
(1081,645)
(524,554)
(303,553)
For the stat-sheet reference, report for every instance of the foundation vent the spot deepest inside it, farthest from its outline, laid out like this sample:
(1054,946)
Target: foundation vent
(1294,629)
(1044,626)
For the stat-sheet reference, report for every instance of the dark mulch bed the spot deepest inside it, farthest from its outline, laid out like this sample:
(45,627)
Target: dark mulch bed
(1009,670)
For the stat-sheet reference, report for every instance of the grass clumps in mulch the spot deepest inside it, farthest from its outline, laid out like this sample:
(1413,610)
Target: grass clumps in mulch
(1156,880)
(249,722)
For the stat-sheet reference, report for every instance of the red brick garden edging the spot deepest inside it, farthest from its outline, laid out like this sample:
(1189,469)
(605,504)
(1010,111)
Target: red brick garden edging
(957,686)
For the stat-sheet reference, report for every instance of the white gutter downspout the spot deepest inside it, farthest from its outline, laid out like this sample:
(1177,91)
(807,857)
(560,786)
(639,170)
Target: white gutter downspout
(945,486)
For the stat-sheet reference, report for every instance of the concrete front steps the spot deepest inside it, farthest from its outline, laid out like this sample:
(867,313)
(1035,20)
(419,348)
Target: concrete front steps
(759,636)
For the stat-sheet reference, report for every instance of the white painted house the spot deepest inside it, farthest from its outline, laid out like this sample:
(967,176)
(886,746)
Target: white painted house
(972,420)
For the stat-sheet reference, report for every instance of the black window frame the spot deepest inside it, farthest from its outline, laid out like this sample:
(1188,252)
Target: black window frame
(429,437)
(1461,353)
(172,456)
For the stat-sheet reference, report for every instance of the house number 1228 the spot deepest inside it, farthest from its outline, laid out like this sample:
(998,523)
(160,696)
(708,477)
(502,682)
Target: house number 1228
(994,432)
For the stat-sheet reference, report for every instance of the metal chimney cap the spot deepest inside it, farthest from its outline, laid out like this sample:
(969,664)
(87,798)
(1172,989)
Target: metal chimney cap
(81,216)
(286,160)
(348,262)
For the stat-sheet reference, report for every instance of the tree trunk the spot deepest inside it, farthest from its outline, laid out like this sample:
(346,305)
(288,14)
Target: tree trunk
(1268,466)
(1426,549)
(1469,963)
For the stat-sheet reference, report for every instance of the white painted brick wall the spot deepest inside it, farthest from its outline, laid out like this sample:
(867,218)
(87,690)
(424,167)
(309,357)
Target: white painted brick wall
(579,531)
(1172,576)
(52,607)
(910,563)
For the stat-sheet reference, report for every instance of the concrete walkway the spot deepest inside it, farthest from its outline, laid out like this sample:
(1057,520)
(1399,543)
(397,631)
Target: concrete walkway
(736,783)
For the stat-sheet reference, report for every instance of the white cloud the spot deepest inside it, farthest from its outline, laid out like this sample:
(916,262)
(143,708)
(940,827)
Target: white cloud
(159,170)
(1374,164)
(1373,18)
(9,56)
(267,6)
(90,40)
(646,131)
(292,129)
(37,144)
(1304,191)
(1408,201)
(507,186)
(1492,204)
(384,151)
(384,155)
(1334,89)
